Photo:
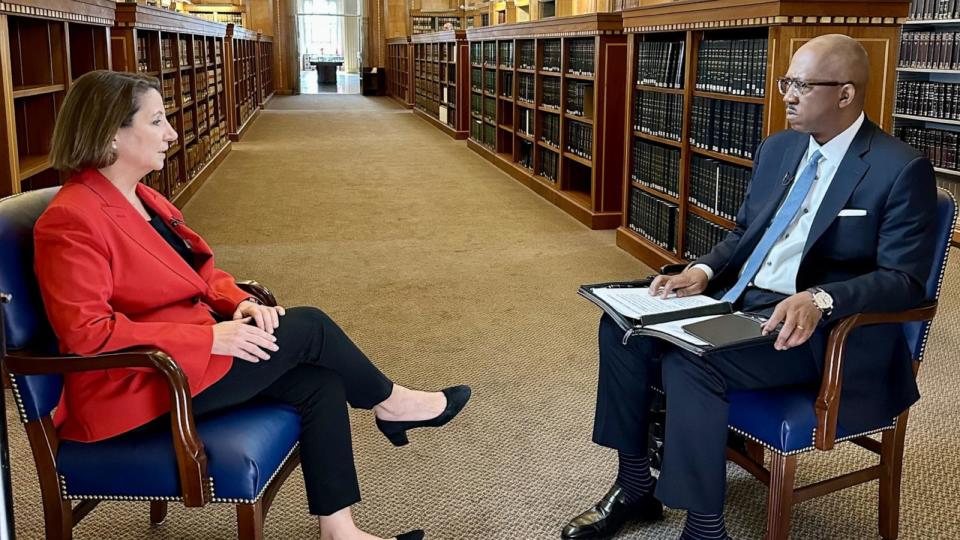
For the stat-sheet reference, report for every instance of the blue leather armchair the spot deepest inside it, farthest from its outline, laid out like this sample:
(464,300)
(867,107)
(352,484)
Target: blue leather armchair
(791,421)
(238,457)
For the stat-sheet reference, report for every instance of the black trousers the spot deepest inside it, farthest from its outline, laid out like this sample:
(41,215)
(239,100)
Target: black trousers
(317,370)
(693,472)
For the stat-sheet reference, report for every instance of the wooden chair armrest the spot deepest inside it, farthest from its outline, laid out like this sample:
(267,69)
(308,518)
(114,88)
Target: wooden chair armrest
(258,291)
(827,405)
(191,457)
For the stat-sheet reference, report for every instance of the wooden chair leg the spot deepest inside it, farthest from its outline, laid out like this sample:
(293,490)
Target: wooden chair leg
(891,468)
(755,451)
(158,512)
(783,470)
(250,521)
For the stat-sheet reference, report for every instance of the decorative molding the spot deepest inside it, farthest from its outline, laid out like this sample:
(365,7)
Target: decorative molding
(766,21)
(44,13)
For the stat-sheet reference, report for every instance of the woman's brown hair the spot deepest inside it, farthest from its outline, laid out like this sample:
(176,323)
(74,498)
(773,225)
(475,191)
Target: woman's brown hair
(98,104)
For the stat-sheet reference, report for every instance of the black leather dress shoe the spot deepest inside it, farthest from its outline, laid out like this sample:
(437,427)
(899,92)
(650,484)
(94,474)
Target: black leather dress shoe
(606,517)
(457,397)
(412,535)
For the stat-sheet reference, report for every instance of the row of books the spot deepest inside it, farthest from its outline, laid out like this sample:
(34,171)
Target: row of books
(490,53)
(506,54)
(476,103)
(490,81)
(942,147)
(551,129)
(525,122)
(660,63)
(729,127)
(166,179)
(168,53)
(581,56)
(506,84)
(580,98)
(476,79)
(551,55)
(653,219)
(549,164)
(525,154)
(490,108)
(700,237)
(143,53)
(732,66)
(527,90)
(528,54)
(930,50)
(551,92)
(926,98)
(658,114)
(656,166)
(717,186)
(934,9)
(580,139)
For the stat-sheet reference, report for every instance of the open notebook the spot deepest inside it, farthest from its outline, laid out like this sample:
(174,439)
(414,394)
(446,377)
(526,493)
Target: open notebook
(699,324)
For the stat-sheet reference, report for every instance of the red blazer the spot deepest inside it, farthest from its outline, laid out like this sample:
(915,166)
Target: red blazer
(110,282)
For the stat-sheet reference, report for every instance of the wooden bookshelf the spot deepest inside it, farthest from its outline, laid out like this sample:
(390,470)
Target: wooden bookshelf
(440,73)
(243,92)
(427,23)
(523,79)
(779,27)
(187,55)
(265,67)
(44,47)
(400,70)
(922,63)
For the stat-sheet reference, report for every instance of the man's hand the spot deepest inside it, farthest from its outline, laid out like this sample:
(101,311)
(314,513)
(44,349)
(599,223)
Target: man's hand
(267,318)
(687,283)
(243,340)
(799,316)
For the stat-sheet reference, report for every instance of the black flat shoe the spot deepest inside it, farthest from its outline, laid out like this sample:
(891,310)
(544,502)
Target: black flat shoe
(412,535)
(606,517)
(457,397)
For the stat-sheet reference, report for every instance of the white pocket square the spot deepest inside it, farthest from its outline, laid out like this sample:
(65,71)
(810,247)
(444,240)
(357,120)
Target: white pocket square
(852,212)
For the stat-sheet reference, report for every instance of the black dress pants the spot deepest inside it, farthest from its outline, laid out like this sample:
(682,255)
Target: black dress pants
(317,370)
(693,473)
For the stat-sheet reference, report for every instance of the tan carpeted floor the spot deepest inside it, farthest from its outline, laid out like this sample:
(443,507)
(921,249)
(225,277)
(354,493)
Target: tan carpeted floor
(446,271)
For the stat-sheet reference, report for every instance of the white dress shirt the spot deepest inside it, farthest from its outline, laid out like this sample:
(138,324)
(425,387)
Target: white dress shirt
(779,270)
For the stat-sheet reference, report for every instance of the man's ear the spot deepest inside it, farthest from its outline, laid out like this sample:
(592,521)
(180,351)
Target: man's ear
(847,95)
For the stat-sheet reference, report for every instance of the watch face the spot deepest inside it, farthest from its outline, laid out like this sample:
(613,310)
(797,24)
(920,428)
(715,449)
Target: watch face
(823,300)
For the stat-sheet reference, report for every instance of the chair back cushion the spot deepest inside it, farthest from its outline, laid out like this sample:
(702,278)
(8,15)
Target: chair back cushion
(25,321)
(916,332)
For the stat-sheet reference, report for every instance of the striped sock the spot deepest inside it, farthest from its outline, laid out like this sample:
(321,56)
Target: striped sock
(634,477)
(704,527)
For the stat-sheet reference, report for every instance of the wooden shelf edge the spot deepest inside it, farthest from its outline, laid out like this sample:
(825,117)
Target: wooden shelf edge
(655,192)
(945,121)
(235,137)
(722,157)
(37,90)
(569,202)
(729,97)
(710,216)
(583,161)
(658,89)
(435,122)
(31,165)
(649,254)
(654,138)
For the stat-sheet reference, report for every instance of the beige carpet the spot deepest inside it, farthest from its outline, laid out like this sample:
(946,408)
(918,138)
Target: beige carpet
(446,271)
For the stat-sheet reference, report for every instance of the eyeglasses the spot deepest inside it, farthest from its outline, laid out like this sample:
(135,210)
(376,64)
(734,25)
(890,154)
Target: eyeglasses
(784,85)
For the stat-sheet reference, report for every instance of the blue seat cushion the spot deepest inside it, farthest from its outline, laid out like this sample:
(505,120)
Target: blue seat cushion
(245,446)
(784,419)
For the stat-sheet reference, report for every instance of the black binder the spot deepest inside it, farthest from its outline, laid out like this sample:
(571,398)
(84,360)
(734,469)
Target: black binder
(727,332)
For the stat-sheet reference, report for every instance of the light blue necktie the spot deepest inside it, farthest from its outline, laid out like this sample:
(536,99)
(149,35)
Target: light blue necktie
(779,225)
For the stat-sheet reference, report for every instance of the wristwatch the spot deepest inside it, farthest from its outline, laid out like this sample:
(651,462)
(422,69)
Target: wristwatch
(822,300)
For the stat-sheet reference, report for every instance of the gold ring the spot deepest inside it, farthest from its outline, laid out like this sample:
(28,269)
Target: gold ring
(800,327)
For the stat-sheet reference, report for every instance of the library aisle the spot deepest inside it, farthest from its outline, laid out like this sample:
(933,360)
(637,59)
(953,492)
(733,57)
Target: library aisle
(445,270)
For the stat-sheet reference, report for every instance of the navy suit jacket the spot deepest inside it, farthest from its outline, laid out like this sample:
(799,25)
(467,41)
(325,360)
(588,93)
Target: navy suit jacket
(878,262)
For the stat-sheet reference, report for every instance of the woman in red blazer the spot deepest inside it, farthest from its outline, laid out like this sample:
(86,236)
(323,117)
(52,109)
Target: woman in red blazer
(119,268)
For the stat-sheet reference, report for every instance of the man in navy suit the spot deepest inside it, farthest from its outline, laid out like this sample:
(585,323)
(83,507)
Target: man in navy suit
(838,219)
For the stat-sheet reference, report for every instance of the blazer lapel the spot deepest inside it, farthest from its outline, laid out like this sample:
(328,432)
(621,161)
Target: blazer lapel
(126,218)
(851,170)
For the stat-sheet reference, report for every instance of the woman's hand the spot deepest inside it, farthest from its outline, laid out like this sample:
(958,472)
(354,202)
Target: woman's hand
(266,318)
(243,340)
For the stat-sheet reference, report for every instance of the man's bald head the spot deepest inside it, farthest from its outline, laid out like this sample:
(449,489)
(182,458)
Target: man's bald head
(837,57)
(837,70)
